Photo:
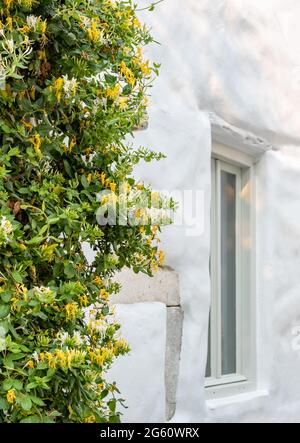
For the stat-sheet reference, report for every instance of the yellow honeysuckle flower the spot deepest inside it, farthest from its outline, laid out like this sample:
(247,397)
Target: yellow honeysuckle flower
(8,3)
(90,419)
(9,23)
(37,142)
(150,240)
(72,144)
(104,294)
(90,178)
(137,23)
(145,68)
(10,396)
(22,290)
(140,186)
(113,186)
(161,258)
(71,310)
(154,230)
(84,301)
(28,125)
(44,26)
(127,73)
(25,29)
(139,213)
(114,92)
(30,364)
(98,280)
(103,178)
(59,83)
(123,103)
(93,32)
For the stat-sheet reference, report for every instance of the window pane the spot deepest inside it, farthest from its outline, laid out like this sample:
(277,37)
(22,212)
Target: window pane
(228,272)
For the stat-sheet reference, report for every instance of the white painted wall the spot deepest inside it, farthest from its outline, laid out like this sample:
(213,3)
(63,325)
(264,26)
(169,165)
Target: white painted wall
(240,59)
(146,401)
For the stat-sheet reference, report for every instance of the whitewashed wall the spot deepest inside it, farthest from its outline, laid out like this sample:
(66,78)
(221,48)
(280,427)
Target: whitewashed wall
(239,59)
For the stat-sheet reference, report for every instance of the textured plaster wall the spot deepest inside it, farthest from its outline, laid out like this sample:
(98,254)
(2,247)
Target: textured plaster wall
(239,59)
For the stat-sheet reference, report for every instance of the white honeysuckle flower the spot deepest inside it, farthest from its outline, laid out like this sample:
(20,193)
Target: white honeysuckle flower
(77,338)
(86,21)
(62,337)
(70,86)
(100,78)
(9,46)
(32,21)
(65,339)
(47,167)
(35,356)
(6,226)
(42,290)
(44,294)
(96,104)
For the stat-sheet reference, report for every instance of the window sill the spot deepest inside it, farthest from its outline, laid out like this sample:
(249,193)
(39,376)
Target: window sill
(213,404)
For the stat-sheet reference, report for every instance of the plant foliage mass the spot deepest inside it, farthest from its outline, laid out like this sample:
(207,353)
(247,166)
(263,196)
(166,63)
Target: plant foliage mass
(73,84)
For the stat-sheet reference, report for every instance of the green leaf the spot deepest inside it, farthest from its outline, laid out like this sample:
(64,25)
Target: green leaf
(17,277)
(5,128)
(69,270)
(7,384)
(104,394)
(17,384)
(6,296)
(35,241)
(13,152)
(112,405)
(84,182)
(3,404)
(31,419)
(67,168)
(4,311)
(11,383)
(53,220)
(25,402)
(8,362)
(4,326)
(37,401)
(31,385)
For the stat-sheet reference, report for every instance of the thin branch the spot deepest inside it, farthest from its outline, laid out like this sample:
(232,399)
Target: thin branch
(150,6)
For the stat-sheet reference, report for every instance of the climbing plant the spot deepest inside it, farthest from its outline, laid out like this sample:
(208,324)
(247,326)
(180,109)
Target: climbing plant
(73,85)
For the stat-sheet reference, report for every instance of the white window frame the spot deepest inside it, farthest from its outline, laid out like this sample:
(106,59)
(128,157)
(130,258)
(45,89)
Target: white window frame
(243,166)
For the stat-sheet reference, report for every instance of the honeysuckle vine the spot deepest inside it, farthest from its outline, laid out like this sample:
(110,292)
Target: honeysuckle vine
(73,84)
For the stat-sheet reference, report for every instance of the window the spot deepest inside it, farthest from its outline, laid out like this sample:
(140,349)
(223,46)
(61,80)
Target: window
(231,347)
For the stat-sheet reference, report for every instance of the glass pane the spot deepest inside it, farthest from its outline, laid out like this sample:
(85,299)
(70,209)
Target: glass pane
(228,272)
